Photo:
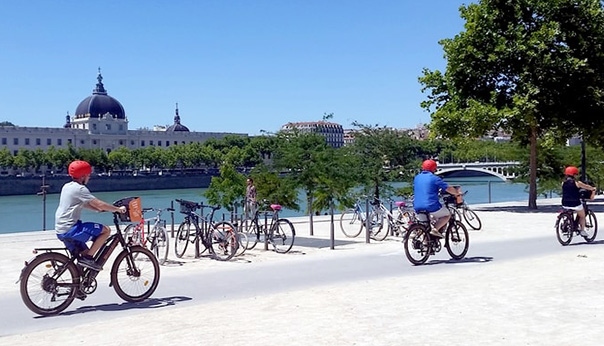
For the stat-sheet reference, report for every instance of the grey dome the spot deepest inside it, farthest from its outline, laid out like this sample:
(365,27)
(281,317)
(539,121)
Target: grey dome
(99,104)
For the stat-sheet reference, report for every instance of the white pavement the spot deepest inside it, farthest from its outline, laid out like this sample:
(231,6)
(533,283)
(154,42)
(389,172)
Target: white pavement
(552,297)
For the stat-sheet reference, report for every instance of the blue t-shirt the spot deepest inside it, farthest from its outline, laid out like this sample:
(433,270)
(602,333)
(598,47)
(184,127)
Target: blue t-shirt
(426,186)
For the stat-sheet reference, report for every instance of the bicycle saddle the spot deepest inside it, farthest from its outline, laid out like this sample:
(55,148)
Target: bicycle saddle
(276,206)
(400,203)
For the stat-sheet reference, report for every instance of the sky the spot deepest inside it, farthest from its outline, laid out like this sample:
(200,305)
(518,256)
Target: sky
(243,66)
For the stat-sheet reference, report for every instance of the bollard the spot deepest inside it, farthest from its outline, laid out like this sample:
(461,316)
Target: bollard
(265,231)
(489,192)
(367,221)
(172,218)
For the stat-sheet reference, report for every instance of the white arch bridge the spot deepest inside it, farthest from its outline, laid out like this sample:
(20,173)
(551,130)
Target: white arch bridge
(500,170)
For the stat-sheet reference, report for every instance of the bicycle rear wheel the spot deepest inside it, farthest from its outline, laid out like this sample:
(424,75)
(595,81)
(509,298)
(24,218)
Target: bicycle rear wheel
(378,231)
(417,244)
(282,236)
(350,223)
(182,238)
(224,243)
(135,278)
(472,219)
(591,226)
(564,228)
(49,283)
(253,233)
(243,243)
(457,240)
(159,243)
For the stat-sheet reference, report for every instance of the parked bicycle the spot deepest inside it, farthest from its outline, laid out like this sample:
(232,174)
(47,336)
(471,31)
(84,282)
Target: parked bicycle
(278,232)
(397,221)
(51,280)
(567,223)
(353,221)
(419,244)
(463,210)
(219,239)
(156,239)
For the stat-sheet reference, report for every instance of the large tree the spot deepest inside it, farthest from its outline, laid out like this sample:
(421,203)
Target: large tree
(530,67)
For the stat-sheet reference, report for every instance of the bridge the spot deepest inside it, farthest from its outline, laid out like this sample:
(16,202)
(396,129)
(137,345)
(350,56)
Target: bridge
(500,170)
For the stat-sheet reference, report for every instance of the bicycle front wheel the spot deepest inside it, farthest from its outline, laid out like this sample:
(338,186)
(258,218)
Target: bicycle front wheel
(564,228)
(224,242)
(457,240)
(591,226)
(378,231)
(282,236)
(160,244)
(472,219)
(49,283)
(243,243)
(182,239)
(351,224)
(417,244)
(135,278)
(252,231)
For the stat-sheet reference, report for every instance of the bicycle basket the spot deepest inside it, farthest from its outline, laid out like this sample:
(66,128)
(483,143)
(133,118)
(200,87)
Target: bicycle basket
(187,207)
(586,194)
(133,209)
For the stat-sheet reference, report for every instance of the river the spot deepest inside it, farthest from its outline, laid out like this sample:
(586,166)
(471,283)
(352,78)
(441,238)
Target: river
(24,213)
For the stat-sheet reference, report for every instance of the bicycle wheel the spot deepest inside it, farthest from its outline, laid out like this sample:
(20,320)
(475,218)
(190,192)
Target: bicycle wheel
(351,224)
(182,238)
(378,231)
(159,243)
(135,279)
(564,228)
(49,283)
(252,232)
(416,243)
(224,242)
(243,243)
(132,236)
(472,219)
(591,226)
(457,240)
(403,221)
(282,236)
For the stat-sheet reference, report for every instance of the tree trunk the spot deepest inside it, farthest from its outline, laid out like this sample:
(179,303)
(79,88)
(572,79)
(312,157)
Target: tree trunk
(310,211)
(532,202)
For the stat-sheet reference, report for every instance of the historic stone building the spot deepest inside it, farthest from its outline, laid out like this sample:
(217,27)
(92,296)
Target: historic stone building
(333,133)
(100,121)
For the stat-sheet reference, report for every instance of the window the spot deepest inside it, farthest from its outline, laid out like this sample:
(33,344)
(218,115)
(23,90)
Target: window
(142,143)
(131,142)
(151,143)
(121,127)
(3,140)
(59,141)
(94,126)
(16,141)
(26,141)
(159,143)
(121,142)
(175,142)
(81,141)
(94,141)
(108,127)
(48,141)
(38,141)
(69,140)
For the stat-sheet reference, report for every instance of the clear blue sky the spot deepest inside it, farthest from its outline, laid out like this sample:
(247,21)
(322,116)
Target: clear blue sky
(232,66)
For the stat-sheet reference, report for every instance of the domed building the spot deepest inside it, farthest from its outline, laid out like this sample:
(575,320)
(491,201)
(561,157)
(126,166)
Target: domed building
(100,122)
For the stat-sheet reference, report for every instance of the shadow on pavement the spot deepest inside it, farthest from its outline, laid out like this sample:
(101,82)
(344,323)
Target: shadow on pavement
(477,259)
(320,242)
(599,242)
(151,303)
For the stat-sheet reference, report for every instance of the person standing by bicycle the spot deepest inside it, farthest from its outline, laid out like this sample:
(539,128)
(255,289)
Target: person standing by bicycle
(571,197)
(250,198)
(70,229)
(426,186)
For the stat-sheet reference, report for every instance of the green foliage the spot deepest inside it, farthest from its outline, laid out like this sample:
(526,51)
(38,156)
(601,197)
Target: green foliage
(274,189)
(227,189)
(6,123)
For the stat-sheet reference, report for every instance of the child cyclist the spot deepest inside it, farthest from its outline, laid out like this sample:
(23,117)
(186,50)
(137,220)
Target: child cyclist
(70,229)
(571,198)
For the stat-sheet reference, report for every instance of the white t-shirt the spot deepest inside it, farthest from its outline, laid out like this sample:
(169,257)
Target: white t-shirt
(73,198)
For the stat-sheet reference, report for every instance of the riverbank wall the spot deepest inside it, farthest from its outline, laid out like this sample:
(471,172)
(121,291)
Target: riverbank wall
(10,186)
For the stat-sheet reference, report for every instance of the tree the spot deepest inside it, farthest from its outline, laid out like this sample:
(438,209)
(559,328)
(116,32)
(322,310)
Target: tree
(530,67)
(226,189)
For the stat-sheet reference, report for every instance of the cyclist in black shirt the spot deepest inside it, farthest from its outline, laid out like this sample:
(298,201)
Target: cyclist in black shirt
(571,198)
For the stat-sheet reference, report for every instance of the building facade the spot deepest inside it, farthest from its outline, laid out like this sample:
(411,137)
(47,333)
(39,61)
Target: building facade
(100,122)
(333,133)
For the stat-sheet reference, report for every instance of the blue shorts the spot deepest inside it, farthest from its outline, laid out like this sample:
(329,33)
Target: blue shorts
(75,239)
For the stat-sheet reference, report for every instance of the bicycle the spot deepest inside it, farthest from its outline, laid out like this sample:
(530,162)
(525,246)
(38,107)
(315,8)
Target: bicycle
(220,239)
(419,244)
(352,221)
(51,281)
(397,225)
(280,232)
(567,223)
(156,240)
(469,216)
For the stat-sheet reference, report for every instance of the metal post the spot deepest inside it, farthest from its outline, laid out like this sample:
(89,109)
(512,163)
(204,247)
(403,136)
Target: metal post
(42,193)
(332,234)
(310,211)
(489,191)
(367,221)
(172,218)
(266,231)
(583,163)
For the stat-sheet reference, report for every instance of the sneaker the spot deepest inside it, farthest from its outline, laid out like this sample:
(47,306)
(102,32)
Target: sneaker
(436,233)
(87,261)
(583,233)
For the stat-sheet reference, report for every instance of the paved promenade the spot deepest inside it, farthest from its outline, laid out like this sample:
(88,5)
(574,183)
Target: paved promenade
(517,286)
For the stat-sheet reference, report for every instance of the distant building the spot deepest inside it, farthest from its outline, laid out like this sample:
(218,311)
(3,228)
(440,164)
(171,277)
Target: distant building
(420,132)
(333,133)
(349,136)
(100,122)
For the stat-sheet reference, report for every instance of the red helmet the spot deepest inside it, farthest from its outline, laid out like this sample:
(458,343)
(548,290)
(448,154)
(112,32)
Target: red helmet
(429,165)
(78,169)
(571,170)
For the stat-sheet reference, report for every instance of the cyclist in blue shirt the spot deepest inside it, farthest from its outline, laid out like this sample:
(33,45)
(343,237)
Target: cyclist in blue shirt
(426,187)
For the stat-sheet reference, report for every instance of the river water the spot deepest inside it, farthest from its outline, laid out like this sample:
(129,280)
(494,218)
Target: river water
(25,213)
